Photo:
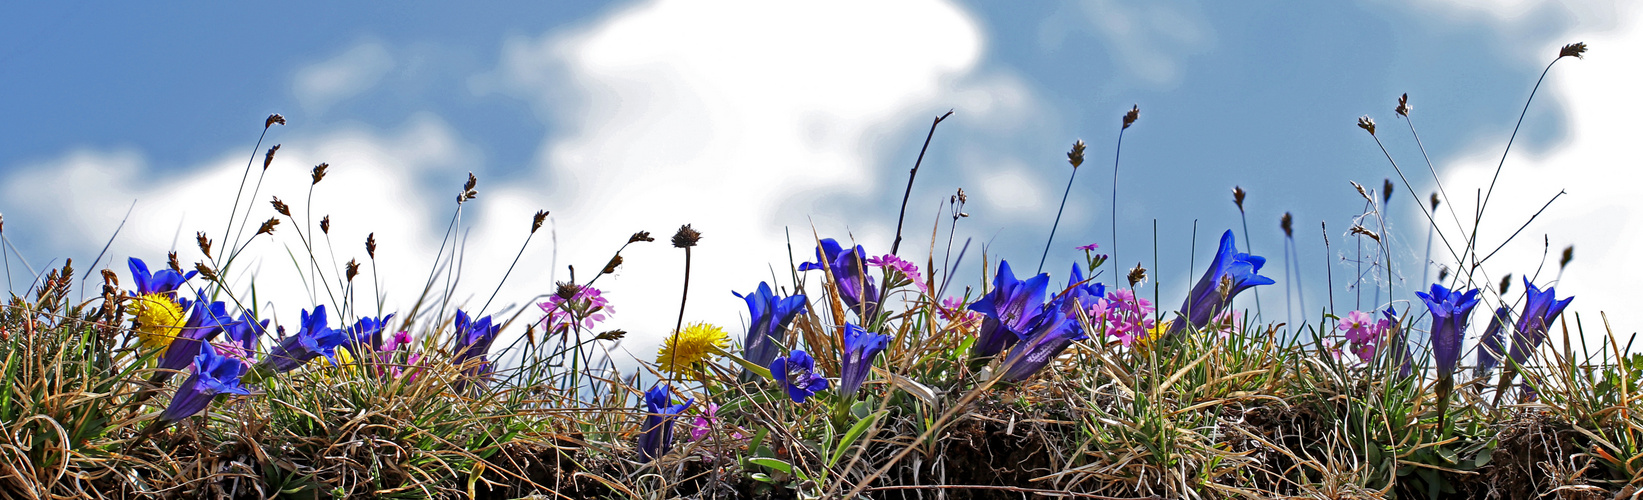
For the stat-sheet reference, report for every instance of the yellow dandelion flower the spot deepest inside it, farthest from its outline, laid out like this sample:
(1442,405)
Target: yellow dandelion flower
(1157,332)
(345,364)
(694,345)
(159,319)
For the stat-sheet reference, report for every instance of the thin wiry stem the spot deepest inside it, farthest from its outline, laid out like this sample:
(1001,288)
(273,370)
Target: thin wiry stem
(910,176)
(1116,152)
(673,344)
(1502,164)
(1249,248)
(1057,223)
(241,190)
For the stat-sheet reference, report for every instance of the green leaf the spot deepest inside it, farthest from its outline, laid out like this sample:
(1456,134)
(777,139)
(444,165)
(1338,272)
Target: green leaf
(772,463)
(750,366)
(850,437)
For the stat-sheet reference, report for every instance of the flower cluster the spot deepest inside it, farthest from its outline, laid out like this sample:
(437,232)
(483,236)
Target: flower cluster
(903,271)
(848,271)
(1363,333)
(574,306)
(1125,317)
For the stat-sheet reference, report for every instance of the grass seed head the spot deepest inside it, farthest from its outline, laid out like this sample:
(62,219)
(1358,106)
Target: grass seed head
(353,269)
(205,271)
(1386,191)
(1358,229)
(1443,273)
(686,237)
(325,224)
(1568,255)
(1137,275)
(1238,197)
(468,192)
(1076,156)
(612,335)
(1132,115)
(371,245)
(1287,222)
(1578,50)
(205,243)
(319,172)
(268,158)
(640,236)
(111,278)
(1367,123)
(1505,284)
(1434,200)
(610,267)
(1403,108)
(273,119)
(268,226)
(171,259)
(281,207)
(536,222)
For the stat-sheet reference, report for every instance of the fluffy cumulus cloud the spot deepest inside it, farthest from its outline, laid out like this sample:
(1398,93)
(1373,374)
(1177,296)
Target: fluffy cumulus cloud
(1602,215)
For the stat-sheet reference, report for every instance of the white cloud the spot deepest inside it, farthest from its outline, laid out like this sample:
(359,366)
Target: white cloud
(1150,40)
(1597,165)
(348,74)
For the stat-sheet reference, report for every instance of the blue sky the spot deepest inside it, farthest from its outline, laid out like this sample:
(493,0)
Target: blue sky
(748,119)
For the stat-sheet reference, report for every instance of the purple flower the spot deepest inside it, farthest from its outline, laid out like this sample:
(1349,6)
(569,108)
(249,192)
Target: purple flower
(660,412)
(242,335)
(164,281)
(473,341)
(850,275)
(367,333)
(1450,311)
(1085,295)
(906,269)
(1542,309)
(1057,328)
(205,321)
(1008,311)
(1088,247)
(797,372)
(315,339)
(212,375)
(860,347)
(1490,347)
(1210,295)
(768,317)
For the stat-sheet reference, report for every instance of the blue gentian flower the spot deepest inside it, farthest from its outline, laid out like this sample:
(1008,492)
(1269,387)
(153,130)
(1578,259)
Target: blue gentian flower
(860,347)
(1008,311)
(1450,311)
(797,372)
(473,342)
(768,317)
(1399,348)
(205,320)
(1491,347)
(850,275)
(1085,295)
(1541,311)
(164,281)
(213,375)
(1206,299)
(367,332)
(315,339)
(1056,329)
(660,412)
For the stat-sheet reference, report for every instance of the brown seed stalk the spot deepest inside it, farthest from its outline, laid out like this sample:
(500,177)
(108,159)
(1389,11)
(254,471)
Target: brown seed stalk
(1238,197)
(640,236)
(1403,108)
(1505,284)
(353,269)
(1367,123)
(268,158)
(1076,156)
(1288,224)
(172,261)
(686,237)
(268,227)
(319,172)
(1568,255)
(325,224)
(536,222)
(615,260)
(205,271)
(205,244)
(273,119)
(1574,49)
(281,207)
(1132,115)
(371,245)
(1137,275)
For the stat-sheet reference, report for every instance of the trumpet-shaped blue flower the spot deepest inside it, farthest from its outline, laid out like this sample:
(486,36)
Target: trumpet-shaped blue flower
(1085,295)
(163,281)
(242,335)
(1491,347)
(1450,311)
(1008,311)
(367,333)
(157,312)
(1229,273)
(849,274)
(860,347)
(797,373)
(1541,311)
(768,317)
(213,375)
(660,412)
(1056,329)
(205,320)
(315,339)
(473,342)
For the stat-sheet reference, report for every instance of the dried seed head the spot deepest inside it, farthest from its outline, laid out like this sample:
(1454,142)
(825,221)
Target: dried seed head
(1574,49)
(1568,255)
(1361,191)
(640,236)
(1443,273)
(111,278)
(567,290)
(371,245)
(171,259)
(1137,275)
(472,181)
(612,335)
(1386,191)
(1132,115)
(2,223)
(1403,108)
(269,157)
(536,222)
(1366,123)
(281,207)
(961,197)
(325,224)
(1357,229)
(319,172)
(273,119)
(1238,197)
(205,244)
(1288,224)
(686,237)
(1505,284)
(1076,156)
(268,227)
(468,192)
(610,267)
(353,269)
(205,271)
(1434,200)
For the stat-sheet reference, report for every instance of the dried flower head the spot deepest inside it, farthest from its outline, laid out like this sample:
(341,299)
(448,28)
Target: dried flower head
(536,222)
(268,226)
(325,224)
(1386,191)
(110,277)
(319,172)
(468,191)
(1366,123)
(1403,108)
(268,158)
(205,244)
(1137,275)
(1287,222)
(1568,255)
(640,236)
(567,290)
(686,237)
(1434,200)
(1361,191)
(172,261)
(273,119)
(371,245)
(205,271)
(1357,229)
(281,207)
(1505,284)
(611,335)
(1132,115)
(1574,49)
(1076,156)
(610,267)
(962,199)
(353,269)
(1238,197)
